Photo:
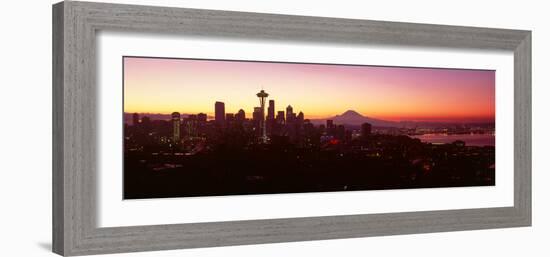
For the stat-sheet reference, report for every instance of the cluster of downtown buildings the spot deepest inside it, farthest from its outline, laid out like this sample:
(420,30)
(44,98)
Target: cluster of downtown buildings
(262,128)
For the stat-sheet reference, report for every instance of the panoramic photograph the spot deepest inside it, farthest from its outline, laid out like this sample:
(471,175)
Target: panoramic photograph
(207,127)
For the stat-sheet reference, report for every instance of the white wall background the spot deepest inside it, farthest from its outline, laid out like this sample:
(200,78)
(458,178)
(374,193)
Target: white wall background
(25,145)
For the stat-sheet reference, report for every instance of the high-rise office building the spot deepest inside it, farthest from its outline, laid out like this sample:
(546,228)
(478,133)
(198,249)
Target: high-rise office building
(229,118)
(280,119)
(191,125)
(271,110)
(240,116)
(219,113)
(330,129)
(256,119)
(293,117)
(202,120)
(176,122)
(340,132)
(300,118)
(330,124)
(289,114)
(270,118)
(366,129)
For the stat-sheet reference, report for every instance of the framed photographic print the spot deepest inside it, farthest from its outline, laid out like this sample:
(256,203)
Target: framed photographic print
(186,131)
(181,128)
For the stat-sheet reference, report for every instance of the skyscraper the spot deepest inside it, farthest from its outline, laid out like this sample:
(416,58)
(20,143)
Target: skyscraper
(331,129)
(219,113)
(280,117)
(300,118)
(289,114)
(240,116)
(366,129)
(262,95)
(191,125)
(176,121)
(271,110)
(256,119)
(202,119)
(330,124)
(229,118)
(340,132)
(270,119)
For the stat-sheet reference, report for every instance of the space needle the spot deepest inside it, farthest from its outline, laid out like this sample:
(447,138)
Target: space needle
(262,95)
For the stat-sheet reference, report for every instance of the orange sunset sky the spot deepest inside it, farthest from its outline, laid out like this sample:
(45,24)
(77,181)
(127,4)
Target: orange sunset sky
(162,85)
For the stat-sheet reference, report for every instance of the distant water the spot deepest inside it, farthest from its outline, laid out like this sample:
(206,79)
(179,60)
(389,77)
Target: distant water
(470,139)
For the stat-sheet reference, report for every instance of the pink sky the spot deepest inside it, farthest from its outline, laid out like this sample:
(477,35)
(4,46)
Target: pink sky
(160,85)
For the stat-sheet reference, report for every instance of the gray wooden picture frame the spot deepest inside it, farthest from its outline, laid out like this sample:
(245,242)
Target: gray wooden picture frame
(75,25)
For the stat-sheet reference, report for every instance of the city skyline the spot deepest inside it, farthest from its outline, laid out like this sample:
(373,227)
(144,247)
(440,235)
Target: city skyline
(388,93)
